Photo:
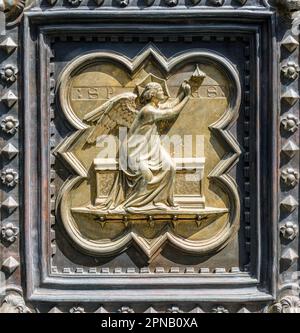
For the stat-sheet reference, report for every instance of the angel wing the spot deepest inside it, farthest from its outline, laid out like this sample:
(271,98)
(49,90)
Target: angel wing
(118,111)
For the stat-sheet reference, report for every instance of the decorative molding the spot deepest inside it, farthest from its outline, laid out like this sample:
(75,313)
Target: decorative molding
(90,271)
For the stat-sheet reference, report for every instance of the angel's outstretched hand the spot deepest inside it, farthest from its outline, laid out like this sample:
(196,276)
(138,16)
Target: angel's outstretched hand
(186,88)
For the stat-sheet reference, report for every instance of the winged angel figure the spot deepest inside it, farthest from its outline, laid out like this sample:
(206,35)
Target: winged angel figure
(146,171)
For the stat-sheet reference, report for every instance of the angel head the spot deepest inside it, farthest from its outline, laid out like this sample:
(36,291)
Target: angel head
(153,91)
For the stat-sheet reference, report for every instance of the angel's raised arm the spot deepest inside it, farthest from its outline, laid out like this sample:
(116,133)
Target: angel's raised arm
(182,93)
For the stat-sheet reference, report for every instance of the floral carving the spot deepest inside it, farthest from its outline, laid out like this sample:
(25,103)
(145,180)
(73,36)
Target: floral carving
(124,3)
(220,309)
(14,303)
(9,73)
(289,5)
(77,309)
(74,2)
(288,304)
(12,9)
(217,3)
(290,70)
(290,123)
(126,309)
(9,125)
(9,232)
(172,3)
(9,177)
(289,230)
(290,176)
(174,309)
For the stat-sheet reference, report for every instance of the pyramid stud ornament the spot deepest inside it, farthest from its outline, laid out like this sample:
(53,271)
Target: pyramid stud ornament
(290,149)
(243,310)
(290,96)
(101,310)
(9,98)
(289,204)
(150,310)
(55,310)
(10,265)
(9,204)
(290,43)
(289,256)
(8,45)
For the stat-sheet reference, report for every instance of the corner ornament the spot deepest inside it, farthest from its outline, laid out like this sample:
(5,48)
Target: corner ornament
(14,303)
(287,304)
(13,9)
(139,177)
